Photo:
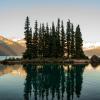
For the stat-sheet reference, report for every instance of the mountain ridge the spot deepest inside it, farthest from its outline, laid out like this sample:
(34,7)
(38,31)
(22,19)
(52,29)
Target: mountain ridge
(10,48)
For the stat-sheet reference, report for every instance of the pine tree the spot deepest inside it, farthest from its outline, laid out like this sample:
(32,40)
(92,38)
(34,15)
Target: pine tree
(35,41)
(40,44)
(46,42)
(72,42)
(54,52)
(28,38)
(43,40)
(58,38)
(68,38)
(78,44)
(62,39)
(50,43)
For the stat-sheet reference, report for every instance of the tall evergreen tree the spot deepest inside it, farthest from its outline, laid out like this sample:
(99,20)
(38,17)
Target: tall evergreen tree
(35,41)
(68,38)
(46,42)
(78,44)
(62,39)
(28,38)
(58,38)
(40,44)
(50,42)
(54,52)
(43,40)
(72,42)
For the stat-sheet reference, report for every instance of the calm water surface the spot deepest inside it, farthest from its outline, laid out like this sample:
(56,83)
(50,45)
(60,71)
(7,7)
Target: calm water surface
(49,82)
(7,57)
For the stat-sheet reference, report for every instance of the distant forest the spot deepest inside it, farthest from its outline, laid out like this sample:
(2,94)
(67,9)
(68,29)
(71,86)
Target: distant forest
(53,41)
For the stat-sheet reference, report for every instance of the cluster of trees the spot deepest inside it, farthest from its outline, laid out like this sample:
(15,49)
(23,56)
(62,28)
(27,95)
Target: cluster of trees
(53,41)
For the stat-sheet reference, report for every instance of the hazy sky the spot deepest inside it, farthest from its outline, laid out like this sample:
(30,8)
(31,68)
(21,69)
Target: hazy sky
(83,12)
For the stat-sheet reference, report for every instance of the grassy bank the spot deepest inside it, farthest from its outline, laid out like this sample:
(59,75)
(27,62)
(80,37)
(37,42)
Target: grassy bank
(46,60)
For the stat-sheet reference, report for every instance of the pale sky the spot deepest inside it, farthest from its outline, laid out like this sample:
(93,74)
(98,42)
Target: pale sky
(86,13)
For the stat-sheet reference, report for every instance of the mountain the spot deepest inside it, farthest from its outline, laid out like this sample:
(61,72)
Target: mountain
(10,48)
(21,42)
(93,51)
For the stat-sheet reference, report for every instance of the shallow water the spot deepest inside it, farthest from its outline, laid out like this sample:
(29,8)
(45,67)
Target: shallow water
(49,82)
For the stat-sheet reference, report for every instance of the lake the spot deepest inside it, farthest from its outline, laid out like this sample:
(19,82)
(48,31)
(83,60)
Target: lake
(7,57)
(49,82)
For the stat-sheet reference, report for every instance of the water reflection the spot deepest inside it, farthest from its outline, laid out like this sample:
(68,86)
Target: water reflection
(51,81)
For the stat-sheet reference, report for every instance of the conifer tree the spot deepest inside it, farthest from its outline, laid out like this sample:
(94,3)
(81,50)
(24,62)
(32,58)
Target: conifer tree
(72,42)
(28,38)
(78,44)
(35,41)
(50,43)
(43,40)
(58,38)
(46,41)
(54,52)
(68,38)
(62,39)
(40,44)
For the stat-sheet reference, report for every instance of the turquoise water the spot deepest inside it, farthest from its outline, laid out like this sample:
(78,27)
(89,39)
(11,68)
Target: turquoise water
(49,82)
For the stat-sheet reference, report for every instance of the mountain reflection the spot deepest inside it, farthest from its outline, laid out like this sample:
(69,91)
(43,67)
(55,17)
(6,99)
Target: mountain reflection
(51,81)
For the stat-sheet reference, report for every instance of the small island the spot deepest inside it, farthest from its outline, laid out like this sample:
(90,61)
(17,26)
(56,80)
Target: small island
(52,44)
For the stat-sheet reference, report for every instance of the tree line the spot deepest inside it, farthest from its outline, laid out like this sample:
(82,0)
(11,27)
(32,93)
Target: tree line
(53,41)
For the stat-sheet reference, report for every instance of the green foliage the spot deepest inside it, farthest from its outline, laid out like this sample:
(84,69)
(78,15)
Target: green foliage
(46,42)
(28,38)
(53,42)
(72,42)
(68,38)
(35,41)
(62,39)
(58,38)
(78,44)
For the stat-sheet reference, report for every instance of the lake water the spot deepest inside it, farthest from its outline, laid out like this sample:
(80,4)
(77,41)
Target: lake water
(49,82)
(7,57)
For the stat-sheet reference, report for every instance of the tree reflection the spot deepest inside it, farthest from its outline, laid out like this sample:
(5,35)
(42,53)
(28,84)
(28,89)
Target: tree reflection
(50,82)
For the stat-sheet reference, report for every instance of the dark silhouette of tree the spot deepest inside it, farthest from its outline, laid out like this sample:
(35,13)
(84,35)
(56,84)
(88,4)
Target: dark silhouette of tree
(40,44)
(28,83)
(43,40)
(72,42)
(54,42)
(78,44)
(50,43)
(79,69)
(46,42)
(35,41)
(62,39)
(68,38)
(58,38)
(62,81)
(28,38)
